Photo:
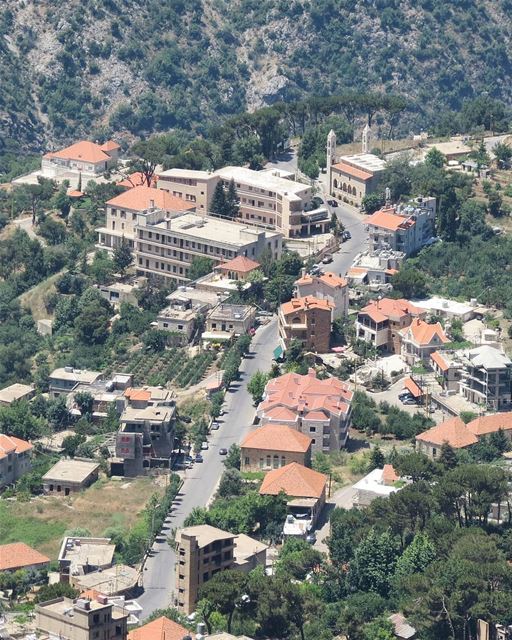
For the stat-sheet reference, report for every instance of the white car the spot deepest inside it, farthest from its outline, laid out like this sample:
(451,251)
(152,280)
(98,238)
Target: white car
(204,446)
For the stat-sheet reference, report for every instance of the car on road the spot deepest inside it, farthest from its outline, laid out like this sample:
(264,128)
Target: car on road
(223,452)
(327,260)
(215,426)
(332,203)
(409,401)
(204,446)
(311,538)
(346,235)
(199,457)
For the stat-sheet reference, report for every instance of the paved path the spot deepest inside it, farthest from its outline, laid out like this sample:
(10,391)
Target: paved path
(26,225)
(200,481)
(342,498)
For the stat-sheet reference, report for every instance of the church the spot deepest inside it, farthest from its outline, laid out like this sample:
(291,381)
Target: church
(353,177)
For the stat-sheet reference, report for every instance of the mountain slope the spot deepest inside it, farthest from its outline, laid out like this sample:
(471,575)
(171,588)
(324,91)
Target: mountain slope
(88,67)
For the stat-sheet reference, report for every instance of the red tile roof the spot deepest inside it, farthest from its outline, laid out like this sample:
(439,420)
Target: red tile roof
(483,425)
(135,180)
(277,437)
(388,308)
(132,393)
(10,444)
(413,387)
(280,413)
(295,480)
(453,431)
(305,393)
(328,278)
(84,150)
(352,171)
(389,475)
(388,219)
(110,145)
(306,303)
(141,198)
(160,629)
(18,555)
(240,264)
(439,360)
(423,333)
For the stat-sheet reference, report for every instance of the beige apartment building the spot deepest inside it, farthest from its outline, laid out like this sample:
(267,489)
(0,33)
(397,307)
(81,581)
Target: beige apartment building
(15,459)
(121,213)
(327,286)
(166,244)
(82,619)
(266,198)
(307,320)
(202,551)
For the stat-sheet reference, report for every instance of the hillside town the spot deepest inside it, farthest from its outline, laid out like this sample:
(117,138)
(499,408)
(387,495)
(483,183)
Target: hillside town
(243,384)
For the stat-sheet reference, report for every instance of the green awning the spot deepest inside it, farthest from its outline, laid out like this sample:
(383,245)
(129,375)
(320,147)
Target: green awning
(278,352)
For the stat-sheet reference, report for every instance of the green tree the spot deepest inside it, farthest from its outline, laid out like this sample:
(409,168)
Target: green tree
(376,459)
(502,153)
(123,256)
(85,402)
(231,483)
(232,460)
(409,282)
(447,456)
(53,231)
(71,443)
(374,562)
(256,386)
(232,201)
(199,267)
(380,629)
(218,204)
(435,158)
(372,202)
(417,557)
(91,324)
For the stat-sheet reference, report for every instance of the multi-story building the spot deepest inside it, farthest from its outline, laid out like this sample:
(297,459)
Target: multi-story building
(356,176)
(85,157)
(307,320)
(318,408)
(420,339)
(225,321)
(202,551)
(180,317)
(486,377)
(273,446)
(146,433)
(375,268)
(106,394)
(121,213)
(15,459)
(452,431)
(381,321)
(16,392)
(327,286)
(166,244)
(404,227)
(265,198)
(79,556)
(65,379)
(82,619)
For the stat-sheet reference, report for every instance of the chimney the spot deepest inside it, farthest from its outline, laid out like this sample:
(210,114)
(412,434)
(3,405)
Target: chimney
(151,204)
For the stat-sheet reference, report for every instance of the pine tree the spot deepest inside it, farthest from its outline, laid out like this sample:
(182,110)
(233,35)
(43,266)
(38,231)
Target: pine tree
(219,204)
(447,456)
(232,202)
(499,440)
(79,186)
(376,459)
(122,256)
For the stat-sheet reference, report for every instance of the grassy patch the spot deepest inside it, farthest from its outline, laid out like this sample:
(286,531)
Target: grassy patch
(42,522)
(34,298)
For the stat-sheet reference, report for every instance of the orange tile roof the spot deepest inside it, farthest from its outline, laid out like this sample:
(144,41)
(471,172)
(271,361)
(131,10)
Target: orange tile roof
(91,594)
(353,171)
(135,179)
(483,425)
(356,270)
(281,413)
(389,308)
(277,437)
(160,629)
(439,360)
(133,393)
(306,303)
(140,198)
(413,387)
(423,333)
(83,150)
(388,219)
(9,444)
(389,475)
(110,145)
(328,277)
(74,193)
(295,480)
(241,264)
(305,393)
(18,555)
(452,431)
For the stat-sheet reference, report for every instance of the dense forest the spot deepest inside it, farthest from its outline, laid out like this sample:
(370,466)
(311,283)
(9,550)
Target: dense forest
(101,67)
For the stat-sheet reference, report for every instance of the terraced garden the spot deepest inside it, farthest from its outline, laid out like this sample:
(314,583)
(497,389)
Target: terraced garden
(173,365)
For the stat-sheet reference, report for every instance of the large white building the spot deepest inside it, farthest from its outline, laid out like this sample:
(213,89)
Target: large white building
(266,198)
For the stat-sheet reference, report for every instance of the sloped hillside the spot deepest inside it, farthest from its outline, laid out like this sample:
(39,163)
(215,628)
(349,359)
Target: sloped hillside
(71,67)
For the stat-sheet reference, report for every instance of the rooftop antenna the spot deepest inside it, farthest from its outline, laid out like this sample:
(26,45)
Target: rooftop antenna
(388,197)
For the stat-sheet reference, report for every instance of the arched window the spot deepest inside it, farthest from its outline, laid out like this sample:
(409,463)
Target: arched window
(296,320)
(283,461)
(344,186)
(276,462)
(335,183)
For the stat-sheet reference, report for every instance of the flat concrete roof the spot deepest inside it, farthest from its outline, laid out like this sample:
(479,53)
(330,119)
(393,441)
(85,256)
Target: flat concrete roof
(110,581)
(205,534)
(15,392)
(79,551)
(66,606)
(210,228)
(186,173)
(156,413)
(75,375)
(263,179)
(76,471)
(225,311)
(246,547)
(365,161)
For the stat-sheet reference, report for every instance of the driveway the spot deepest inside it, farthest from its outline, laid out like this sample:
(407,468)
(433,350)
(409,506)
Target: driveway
(201,481)
(342,498)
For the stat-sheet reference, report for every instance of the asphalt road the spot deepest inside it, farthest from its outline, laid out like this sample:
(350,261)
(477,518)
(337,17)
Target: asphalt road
(200,482)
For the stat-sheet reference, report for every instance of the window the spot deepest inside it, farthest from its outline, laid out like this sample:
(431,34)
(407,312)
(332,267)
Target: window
(312,429)
(247,460)
(96,618)
(268,461)
(276,462)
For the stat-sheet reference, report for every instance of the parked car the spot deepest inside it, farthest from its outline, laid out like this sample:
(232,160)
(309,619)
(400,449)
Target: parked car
(346,235)
(204,446)
(409,401)
(311,538)
(327,260)
(215,426)
(223,452)
(332,203)
(199,457)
